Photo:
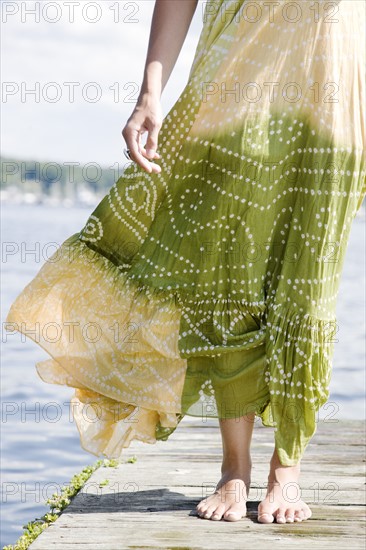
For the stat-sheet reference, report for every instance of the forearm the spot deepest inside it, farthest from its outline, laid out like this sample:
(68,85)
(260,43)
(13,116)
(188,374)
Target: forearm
(169,26)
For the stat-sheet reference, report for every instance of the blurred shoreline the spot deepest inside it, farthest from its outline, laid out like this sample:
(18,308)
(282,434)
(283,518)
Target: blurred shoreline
(68,184)
(83,197)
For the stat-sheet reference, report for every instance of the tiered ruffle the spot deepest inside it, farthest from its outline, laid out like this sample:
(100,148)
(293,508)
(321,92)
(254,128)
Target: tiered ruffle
(116,341)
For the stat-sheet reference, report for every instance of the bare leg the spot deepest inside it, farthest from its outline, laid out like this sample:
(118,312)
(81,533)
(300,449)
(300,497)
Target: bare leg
(231,493)
(282,502)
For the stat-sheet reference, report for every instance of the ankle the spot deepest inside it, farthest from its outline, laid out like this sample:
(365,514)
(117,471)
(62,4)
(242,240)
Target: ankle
(236,464)
(275,464)
(280,474)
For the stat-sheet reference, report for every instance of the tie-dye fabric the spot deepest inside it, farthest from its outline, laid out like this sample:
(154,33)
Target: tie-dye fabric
(210,289)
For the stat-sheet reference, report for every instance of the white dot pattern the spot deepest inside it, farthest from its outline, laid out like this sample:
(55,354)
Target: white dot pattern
(229,261)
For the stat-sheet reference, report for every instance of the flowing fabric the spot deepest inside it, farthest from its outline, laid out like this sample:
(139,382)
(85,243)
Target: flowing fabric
(210,289)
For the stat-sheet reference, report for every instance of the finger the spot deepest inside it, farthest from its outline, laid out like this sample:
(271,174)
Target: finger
(132,142)
(152,141)
(142,148)
(144,152)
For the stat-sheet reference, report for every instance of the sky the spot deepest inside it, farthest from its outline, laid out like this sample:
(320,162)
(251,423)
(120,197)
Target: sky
(98,49)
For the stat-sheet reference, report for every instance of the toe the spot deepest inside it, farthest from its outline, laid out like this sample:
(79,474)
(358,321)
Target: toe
(265,517)
(289,517)
(299,515)
(232,515)
(201,510)
(265,513)
(280,515)
(208,513)
(218,513)
(306,513)
(201,506)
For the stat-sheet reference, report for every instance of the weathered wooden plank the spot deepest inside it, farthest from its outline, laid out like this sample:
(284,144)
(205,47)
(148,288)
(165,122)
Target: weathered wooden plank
(151,503)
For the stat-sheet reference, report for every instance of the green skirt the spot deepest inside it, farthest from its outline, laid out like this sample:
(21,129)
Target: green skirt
(210,289)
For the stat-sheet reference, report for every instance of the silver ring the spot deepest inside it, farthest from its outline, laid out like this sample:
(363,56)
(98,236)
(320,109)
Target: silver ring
(127,154)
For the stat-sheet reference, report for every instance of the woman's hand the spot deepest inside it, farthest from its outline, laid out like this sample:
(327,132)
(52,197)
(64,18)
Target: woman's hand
(169,27)
(146,117)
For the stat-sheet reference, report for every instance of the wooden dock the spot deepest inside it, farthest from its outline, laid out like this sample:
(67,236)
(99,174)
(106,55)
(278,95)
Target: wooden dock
(151,503)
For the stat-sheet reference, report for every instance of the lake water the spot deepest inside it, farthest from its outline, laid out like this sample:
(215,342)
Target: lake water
(39,454)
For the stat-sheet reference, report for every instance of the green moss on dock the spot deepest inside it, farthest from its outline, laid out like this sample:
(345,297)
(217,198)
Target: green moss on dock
(59,502)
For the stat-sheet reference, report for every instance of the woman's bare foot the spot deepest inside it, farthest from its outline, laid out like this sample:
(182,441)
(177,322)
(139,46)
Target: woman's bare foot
(282,502)
(231,493)
(230,496)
